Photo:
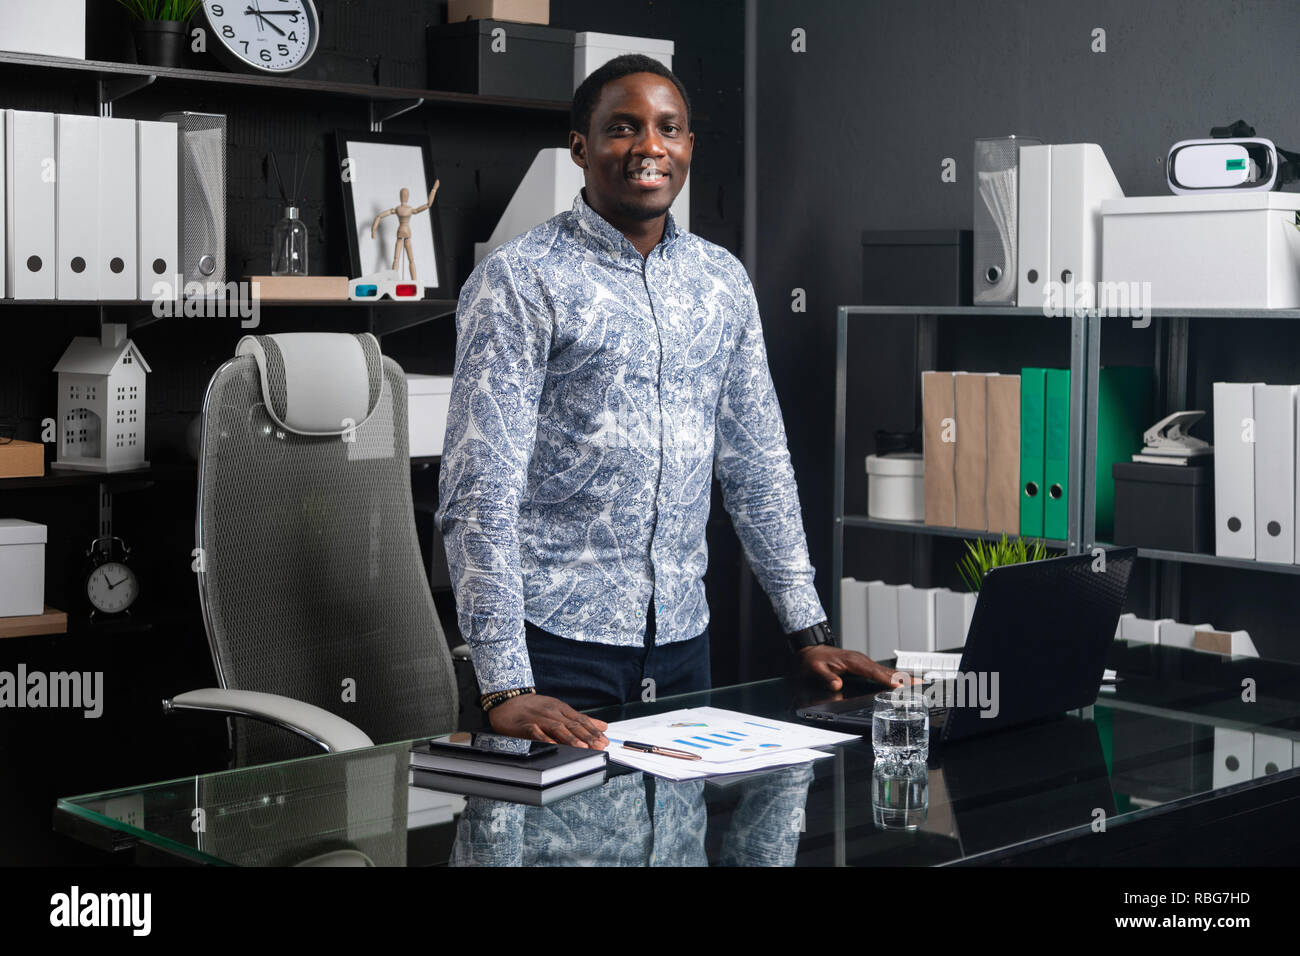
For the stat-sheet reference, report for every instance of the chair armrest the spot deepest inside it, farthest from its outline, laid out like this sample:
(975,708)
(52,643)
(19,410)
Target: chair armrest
(307,720)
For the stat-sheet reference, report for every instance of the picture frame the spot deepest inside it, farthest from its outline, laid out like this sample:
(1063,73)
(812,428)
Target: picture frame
(373,169)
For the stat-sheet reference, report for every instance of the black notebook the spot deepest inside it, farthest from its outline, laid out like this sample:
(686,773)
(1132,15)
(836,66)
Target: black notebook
(506,759)
(509,792)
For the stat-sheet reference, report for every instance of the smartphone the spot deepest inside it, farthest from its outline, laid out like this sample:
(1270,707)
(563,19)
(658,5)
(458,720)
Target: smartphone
(492,744)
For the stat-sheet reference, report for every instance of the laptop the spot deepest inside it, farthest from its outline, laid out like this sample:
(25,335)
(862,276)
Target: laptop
(1036,648)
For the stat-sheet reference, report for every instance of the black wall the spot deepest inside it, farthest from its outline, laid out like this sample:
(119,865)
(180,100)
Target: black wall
(851,135)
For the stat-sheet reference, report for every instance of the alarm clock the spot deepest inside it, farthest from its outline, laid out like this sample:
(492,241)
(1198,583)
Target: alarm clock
(265,36)
(111,584)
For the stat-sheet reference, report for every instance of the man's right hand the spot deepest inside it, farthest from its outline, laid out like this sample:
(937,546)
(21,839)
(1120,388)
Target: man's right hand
(546,718)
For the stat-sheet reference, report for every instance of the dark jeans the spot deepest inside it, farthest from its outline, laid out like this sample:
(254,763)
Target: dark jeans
(584,674)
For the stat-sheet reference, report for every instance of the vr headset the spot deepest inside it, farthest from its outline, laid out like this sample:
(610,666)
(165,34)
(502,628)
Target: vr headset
(1233,160)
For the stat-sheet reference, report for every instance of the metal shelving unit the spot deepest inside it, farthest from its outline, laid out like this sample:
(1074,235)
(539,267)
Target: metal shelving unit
(926,329)
(1170,365)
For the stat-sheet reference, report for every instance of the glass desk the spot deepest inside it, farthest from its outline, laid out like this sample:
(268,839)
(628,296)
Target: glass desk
(1172,766)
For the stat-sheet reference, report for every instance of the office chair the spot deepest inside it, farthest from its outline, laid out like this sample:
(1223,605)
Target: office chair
(314,595)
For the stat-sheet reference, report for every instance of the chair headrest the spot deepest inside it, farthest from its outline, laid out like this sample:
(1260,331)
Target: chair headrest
(318,383)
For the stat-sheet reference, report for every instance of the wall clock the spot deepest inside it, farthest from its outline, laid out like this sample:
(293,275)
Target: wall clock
(265,36)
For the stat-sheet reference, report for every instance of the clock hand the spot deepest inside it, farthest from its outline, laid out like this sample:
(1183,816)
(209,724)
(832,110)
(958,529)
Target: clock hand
(111,586)
(269,23)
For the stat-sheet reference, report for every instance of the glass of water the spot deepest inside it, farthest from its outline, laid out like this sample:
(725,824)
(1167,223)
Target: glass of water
(900,794)
(900,726)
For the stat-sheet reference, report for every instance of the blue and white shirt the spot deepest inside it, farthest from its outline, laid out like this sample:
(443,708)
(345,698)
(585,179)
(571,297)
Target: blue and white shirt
(595,393)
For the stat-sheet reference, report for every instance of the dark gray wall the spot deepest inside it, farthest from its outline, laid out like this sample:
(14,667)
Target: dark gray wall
(851,136)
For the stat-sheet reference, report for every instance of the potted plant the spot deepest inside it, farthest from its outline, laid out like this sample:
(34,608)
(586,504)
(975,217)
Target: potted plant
(983,556)
(159,28)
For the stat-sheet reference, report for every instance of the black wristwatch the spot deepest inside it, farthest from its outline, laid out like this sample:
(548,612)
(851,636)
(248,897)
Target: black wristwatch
(819,633)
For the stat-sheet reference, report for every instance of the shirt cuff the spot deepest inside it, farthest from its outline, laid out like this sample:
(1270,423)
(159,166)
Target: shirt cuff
(501,664)
(798,608)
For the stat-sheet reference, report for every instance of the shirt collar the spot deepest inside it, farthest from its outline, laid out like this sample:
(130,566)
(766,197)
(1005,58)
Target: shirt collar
(603,233)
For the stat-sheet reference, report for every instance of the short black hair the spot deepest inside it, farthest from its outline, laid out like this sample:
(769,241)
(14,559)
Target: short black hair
(586,96)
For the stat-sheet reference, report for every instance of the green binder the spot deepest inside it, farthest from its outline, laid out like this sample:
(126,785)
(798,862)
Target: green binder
(1056,455)
(1124,412)
(1032,392)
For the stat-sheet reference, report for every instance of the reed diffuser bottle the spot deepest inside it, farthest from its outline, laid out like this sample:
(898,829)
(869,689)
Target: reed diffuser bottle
(289,245)
(289,237)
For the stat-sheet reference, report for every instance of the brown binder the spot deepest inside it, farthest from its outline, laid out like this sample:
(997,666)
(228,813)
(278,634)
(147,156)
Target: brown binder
(938,421)
(1004,453)
(970,460)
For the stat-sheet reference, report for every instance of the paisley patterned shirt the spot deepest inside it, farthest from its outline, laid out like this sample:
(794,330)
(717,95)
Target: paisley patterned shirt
(595,394)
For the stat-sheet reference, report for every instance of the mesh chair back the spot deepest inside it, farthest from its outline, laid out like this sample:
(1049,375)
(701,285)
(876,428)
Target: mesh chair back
(312,582)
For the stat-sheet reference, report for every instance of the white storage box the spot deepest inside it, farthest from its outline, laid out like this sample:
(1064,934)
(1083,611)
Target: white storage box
(48,27)
(428,398)
(1223,250)
(22,567)
(895,486)
(591,51)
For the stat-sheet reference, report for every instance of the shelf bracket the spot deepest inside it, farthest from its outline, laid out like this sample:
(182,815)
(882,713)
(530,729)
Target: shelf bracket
(381,111)
(105,511)
(113,88)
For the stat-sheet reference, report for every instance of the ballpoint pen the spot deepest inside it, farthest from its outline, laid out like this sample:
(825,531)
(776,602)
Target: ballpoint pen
(662,751)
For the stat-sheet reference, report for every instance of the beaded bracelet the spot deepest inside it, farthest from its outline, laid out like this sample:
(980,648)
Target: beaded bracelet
(488,701)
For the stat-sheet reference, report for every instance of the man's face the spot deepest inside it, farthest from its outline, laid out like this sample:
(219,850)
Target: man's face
(637,151)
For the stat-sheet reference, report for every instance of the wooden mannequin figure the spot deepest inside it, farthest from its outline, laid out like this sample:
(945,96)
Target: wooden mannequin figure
(404,212)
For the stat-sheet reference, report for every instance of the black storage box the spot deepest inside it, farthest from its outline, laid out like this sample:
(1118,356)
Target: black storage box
(536,63)
(1170,507)
(917,267)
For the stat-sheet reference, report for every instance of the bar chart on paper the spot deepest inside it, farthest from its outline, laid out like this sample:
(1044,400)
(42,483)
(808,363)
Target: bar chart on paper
(719,736)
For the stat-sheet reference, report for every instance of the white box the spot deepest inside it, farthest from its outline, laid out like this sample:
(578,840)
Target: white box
(591,51)
(49,27)
(1234,250)
(428,399)
(22,567)
(896,487)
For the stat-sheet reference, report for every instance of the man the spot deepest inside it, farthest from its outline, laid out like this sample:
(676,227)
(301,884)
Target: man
(606,363)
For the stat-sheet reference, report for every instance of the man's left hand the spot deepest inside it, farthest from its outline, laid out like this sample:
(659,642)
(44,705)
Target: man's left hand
(829,663)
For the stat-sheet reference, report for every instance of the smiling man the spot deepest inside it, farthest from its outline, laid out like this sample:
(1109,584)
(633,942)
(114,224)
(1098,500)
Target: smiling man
(607,363)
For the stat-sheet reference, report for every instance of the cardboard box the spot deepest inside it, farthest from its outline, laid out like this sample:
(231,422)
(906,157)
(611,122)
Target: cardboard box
(22,459)
(516,11)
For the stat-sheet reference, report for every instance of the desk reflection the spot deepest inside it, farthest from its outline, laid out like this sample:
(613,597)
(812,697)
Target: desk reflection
(638,820)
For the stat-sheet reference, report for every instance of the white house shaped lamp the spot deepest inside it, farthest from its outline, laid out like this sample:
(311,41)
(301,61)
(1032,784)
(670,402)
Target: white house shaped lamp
(101,403)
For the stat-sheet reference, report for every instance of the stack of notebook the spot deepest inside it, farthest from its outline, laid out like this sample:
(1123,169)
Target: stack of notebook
(505,768)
